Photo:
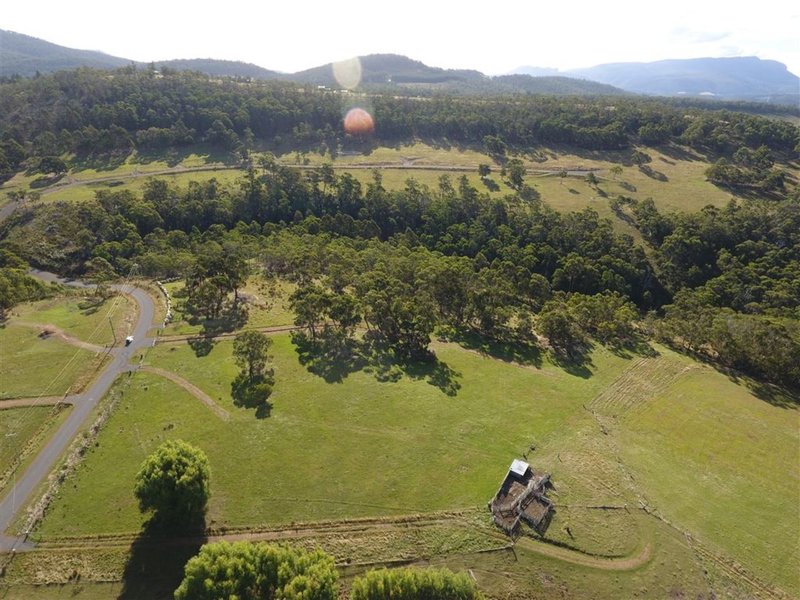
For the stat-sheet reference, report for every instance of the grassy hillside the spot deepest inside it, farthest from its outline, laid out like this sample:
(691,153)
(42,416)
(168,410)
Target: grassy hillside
(677,180)
(308,474)
(686,444)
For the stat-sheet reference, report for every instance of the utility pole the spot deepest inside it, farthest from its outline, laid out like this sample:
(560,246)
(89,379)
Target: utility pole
(114,333)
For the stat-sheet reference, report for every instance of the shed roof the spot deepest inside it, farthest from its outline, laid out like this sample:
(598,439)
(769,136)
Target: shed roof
(519,467)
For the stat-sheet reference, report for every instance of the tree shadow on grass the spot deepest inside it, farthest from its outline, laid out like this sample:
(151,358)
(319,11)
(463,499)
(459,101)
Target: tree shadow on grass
(157,558)
(576,361)
(490,184)
(437,373)
(771,393)
(253,392)
(45,181)
(652,173)
(775,395)
(505,347)
(101,161)
(680,153)
(334,358)
(632,348)
(201,345)
(233,317)
(331,359)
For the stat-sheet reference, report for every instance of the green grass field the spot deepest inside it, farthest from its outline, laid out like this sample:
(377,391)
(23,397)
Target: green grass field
(696,448)
(399,456)
(418,153)
(17,425)
(31,366)
(81,318)
(724,466)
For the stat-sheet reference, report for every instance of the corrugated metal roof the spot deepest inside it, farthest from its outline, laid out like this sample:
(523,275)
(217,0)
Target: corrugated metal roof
(519,467)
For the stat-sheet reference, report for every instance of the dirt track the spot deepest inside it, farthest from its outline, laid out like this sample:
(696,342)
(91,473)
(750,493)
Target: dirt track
(62,335)
(44,401)
(192,389)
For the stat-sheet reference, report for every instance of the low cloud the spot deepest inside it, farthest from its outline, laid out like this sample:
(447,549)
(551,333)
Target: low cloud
(698,37)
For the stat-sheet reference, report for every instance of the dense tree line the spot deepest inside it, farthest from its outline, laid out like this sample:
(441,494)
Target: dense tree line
(16,285)
(174,231)
(735,276)
(408,261)
(99,112)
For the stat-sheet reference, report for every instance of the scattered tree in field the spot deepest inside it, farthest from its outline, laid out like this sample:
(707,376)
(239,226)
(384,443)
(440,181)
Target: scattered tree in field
(309,302)
(414,584)
(247,571)
(515,170)
(251,353)
(174,483)
(207,298)
(253,386)
(640,158)
(591,178)
(484,170)
(220,269)
(616,171)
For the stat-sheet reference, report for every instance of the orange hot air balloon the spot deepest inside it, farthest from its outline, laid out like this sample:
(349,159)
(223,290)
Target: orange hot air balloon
(358,122)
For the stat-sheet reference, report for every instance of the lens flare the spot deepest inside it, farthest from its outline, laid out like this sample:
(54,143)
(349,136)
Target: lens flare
(348,73)
(357,121)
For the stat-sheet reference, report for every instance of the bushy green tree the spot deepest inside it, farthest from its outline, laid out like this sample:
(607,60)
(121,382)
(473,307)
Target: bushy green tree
(247,571)
(559,327)
(174,482)
(414,584)
(251,353)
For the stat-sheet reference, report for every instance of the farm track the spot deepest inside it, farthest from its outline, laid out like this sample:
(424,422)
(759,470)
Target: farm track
(627,563)
(41,401)
(281,532)
(174,339)
(62,335)
(359,527)
(192,389)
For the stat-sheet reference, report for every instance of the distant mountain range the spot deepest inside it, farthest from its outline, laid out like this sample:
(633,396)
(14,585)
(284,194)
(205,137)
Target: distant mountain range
(748,78)
(742,78)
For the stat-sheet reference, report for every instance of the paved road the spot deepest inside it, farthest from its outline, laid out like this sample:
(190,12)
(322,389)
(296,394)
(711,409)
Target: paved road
(7,209)
(18,495)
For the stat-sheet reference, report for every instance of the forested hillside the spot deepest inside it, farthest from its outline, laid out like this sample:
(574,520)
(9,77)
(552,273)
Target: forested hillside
(88,112)
(509,260)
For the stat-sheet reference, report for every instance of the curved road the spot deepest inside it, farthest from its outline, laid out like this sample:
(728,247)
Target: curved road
(19,495)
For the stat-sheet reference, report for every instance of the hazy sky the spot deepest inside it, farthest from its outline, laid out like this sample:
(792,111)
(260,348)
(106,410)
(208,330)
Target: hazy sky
(493,37)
